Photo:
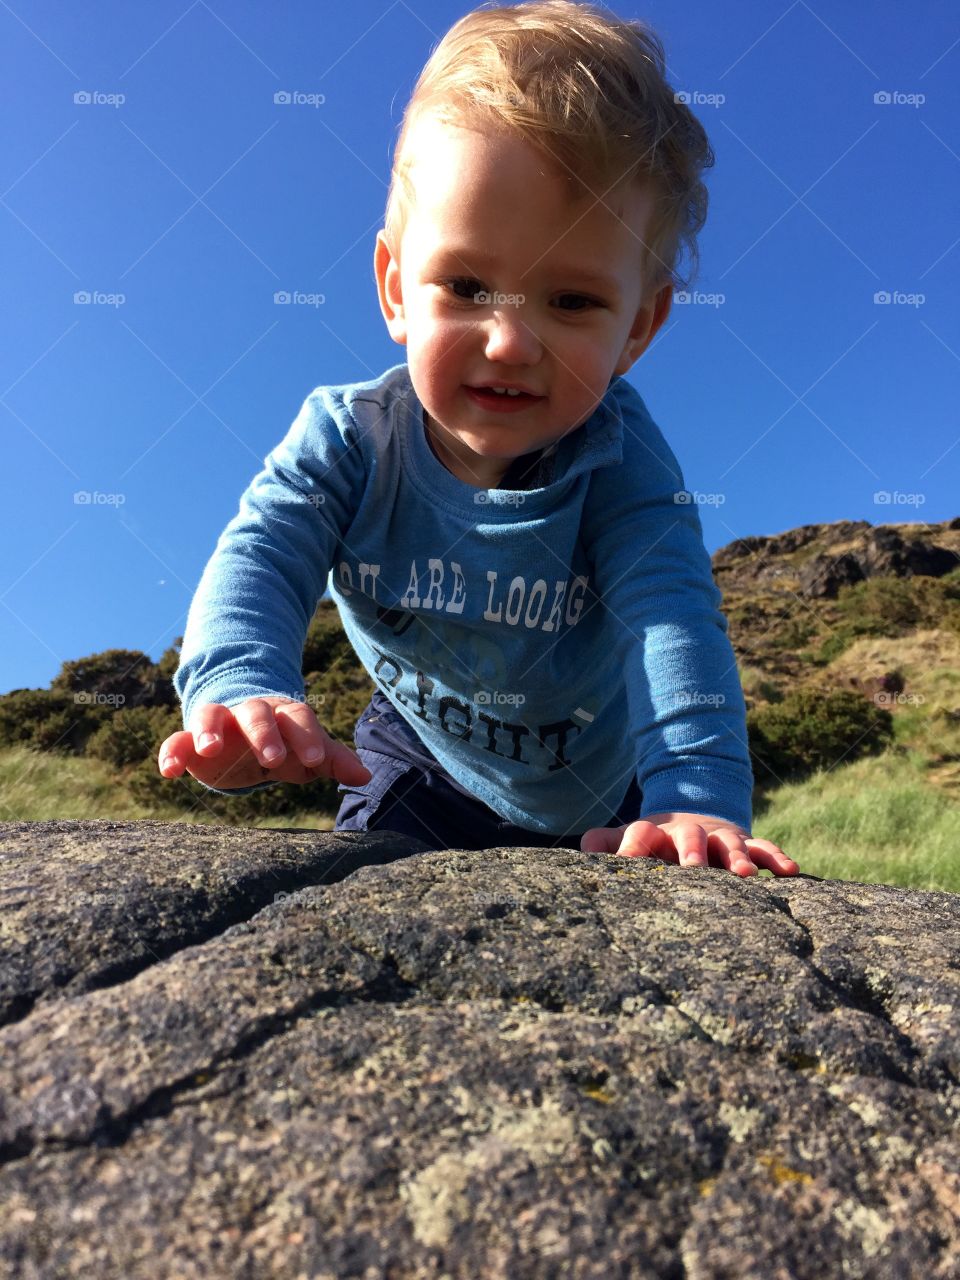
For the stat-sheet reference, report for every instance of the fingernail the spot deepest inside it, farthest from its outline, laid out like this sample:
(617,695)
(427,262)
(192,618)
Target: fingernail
(168,762)
(207,740)
(312,753)
(271,753)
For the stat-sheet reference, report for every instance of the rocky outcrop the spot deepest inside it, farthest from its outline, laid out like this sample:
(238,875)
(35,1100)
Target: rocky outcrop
(822,558)
(304,1054)
(758,547)
(884,553)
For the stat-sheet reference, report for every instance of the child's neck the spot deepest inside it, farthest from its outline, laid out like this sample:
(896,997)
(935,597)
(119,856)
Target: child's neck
(485,474)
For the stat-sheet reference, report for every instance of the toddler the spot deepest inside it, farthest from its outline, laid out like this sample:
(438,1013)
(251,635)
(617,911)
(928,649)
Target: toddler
(501,524)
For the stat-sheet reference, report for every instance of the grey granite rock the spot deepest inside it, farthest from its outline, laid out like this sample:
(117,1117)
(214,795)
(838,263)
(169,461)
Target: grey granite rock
(88,904)
(509,1063)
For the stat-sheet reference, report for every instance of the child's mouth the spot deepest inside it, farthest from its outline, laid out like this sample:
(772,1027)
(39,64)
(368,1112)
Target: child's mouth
(499,401)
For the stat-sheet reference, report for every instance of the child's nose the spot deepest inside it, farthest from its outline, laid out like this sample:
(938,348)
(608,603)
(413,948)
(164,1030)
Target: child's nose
(511,339)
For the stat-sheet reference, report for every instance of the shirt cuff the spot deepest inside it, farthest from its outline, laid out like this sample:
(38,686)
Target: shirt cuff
(683,791)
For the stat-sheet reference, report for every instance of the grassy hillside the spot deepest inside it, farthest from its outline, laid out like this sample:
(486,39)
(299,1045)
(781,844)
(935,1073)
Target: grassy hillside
(36,786)
(879,821)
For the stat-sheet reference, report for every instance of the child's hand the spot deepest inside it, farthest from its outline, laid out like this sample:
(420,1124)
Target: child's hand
(692,840)
(242,736)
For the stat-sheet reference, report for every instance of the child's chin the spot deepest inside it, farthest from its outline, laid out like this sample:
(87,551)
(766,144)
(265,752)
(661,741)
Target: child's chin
(493,454)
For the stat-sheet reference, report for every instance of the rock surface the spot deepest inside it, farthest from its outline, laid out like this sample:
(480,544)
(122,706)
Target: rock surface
(241,1054)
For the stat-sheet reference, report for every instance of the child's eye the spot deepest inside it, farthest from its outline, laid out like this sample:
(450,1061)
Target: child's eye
(466,288)
(578,297)
(471,287)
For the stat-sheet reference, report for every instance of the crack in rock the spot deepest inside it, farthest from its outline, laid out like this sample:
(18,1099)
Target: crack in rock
(88,905)
(503,1063)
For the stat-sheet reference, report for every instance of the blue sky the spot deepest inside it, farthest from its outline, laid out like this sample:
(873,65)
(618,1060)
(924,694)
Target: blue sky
(788,394)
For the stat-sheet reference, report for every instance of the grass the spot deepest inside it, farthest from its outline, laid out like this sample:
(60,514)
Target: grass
(878,820)
(37,787)
(893,818)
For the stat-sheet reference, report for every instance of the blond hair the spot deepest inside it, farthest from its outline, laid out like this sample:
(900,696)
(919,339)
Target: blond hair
(588,90)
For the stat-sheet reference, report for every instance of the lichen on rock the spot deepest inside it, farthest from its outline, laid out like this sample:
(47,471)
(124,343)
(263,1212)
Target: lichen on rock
(292,1054)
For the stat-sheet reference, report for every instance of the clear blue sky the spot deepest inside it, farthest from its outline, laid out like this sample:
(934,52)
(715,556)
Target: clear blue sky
(796,398)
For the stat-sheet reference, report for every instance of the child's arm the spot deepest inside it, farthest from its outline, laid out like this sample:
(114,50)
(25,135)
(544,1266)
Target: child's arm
(685,702)
(248,619)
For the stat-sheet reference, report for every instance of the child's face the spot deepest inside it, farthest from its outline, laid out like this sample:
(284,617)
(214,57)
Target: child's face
(489,217)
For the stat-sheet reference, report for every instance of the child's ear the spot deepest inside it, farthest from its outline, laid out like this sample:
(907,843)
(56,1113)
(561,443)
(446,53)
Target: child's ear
(650,316)
(387,270)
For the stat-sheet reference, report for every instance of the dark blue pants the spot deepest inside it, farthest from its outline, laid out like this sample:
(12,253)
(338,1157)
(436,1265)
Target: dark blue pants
(411,793)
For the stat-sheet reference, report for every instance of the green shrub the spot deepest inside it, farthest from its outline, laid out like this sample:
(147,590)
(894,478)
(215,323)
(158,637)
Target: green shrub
(813,729)
(62,733)
(119,677)
(336,683)
(794,633)
(132,734)
(890,606)
(841,638)
(170,659)
(747,616)
(326,648)
(48,721)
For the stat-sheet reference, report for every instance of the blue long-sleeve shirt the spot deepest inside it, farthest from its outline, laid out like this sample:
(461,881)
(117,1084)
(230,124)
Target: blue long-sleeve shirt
(544,643)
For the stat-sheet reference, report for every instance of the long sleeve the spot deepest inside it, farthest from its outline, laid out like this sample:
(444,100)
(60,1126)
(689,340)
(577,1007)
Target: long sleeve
(248,619)
(654,577)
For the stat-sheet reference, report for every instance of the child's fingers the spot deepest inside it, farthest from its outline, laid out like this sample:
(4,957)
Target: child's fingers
(303,734)
(643,839)
(208,728)
(174,753)
(291,728)
(601,840)
(258,723)
(286,727)
(769,855)
(316,749)
(345,765)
